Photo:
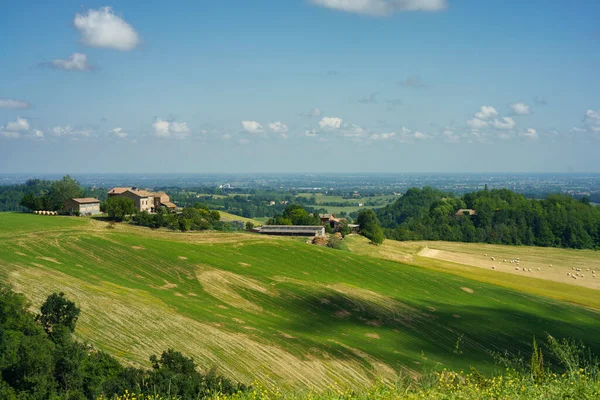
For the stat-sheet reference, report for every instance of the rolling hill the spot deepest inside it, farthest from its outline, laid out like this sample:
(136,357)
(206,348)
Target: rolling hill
(273,309)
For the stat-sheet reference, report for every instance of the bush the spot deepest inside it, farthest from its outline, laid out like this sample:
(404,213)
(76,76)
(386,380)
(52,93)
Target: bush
(118,207)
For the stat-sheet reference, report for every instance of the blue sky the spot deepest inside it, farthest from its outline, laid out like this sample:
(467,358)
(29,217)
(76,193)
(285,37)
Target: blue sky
(300,86)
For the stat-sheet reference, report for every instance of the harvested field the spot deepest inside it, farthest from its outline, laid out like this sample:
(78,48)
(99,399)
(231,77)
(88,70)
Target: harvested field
(274,309)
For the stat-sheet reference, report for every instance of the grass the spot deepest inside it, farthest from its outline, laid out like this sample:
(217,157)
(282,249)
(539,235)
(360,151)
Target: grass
(473,261)
(274,310)
(227,217)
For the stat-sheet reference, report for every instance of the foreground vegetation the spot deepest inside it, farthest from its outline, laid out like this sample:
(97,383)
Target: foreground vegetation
(40,360)
(562,369)
(274,310)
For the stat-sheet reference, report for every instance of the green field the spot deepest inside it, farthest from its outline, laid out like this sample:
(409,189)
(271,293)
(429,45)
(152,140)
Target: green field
(273,309)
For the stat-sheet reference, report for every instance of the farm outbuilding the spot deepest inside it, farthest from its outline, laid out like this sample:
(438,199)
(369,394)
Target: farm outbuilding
(291,230)
(83,206)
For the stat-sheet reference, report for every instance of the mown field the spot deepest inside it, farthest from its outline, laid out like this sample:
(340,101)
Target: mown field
(227,217)
(473,261)
(270,309)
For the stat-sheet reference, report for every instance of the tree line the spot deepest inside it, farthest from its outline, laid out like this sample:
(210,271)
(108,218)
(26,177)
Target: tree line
(500,217)
(40,359)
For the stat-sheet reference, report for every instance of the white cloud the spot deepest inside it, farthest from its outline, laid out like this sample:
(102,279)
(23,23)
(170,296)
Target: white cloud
(592,120)
(252,126)
(486,112)
(310,133)
(330,123)
(477,123)
(38,134)
(278,127)
(76,62)
(67,130)
(165,128)
(118,132)
(20,125)
(405,130)
(102,28)
(382,136)
(381,7)
(504,123)
(11,103)
(10,135)
(520,108)
(421,135)
(530,134)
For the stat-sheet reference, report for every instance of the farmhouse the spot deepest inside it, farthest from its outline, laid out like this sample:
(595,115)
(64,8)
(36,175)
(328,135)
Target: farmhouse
(83,206)
(144,200)
(291,230)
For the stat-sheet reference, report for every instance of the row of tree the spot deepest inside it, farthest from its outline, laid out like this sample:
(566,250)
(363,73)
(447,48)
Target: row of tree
(39,359)
(500,217)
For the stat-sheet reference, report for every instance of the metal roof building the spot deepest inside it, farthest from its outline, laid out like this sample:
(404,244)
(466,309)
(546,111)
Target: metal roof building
(291,230)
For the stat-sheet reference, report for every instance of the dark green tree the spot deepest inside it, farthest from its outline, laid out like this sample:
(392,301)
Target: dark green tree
(57,311)
(119,207)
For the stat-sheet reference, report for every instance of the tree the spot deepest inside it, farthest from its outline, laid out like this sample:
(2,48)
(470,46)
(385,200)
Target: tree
(65,189)
(369,226)
(56,312)
(249,226)
(118,207)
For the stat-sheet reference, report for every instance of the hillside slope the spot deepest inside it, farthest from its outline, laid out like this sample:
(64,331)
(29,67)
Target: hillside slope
(272,309)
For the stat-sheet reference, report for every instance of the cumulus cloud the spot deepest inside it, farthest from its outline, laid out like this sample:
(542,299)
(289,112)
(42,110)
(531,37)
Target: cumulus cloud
(520,108)
(76,62)
(486,112)
(591,120)
(310,133)
(504,123)
(382,136)
(102,28)
(118,132)
(20,125)
(378,8)
(414,81)
(166,128)
(68,130)
(38,134)
(252,127)
(15,104)
(450,136)
(330,123)
(420,135)
(540,101)
(353,131)
(278,127)
(370,99)
(477,123)
(530,134)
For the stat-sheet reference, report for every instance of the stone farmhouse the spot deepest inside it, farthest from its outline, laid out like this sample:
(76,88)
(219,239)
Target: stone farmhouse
(144,200)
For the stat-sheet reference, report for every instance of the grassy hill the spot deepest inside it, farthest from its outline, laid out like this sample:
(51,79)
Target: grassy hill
(273,309)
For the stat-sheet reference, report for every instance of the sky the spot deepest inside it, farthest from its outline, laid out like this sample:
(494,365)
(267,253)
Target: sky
(300,86)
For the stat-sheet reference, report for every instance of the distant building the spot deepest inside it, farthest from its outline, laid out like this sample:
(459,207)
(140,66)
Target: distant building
(291,230)
(354,228)
(466,211)
(83,206)
(327,218)
(144,200)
